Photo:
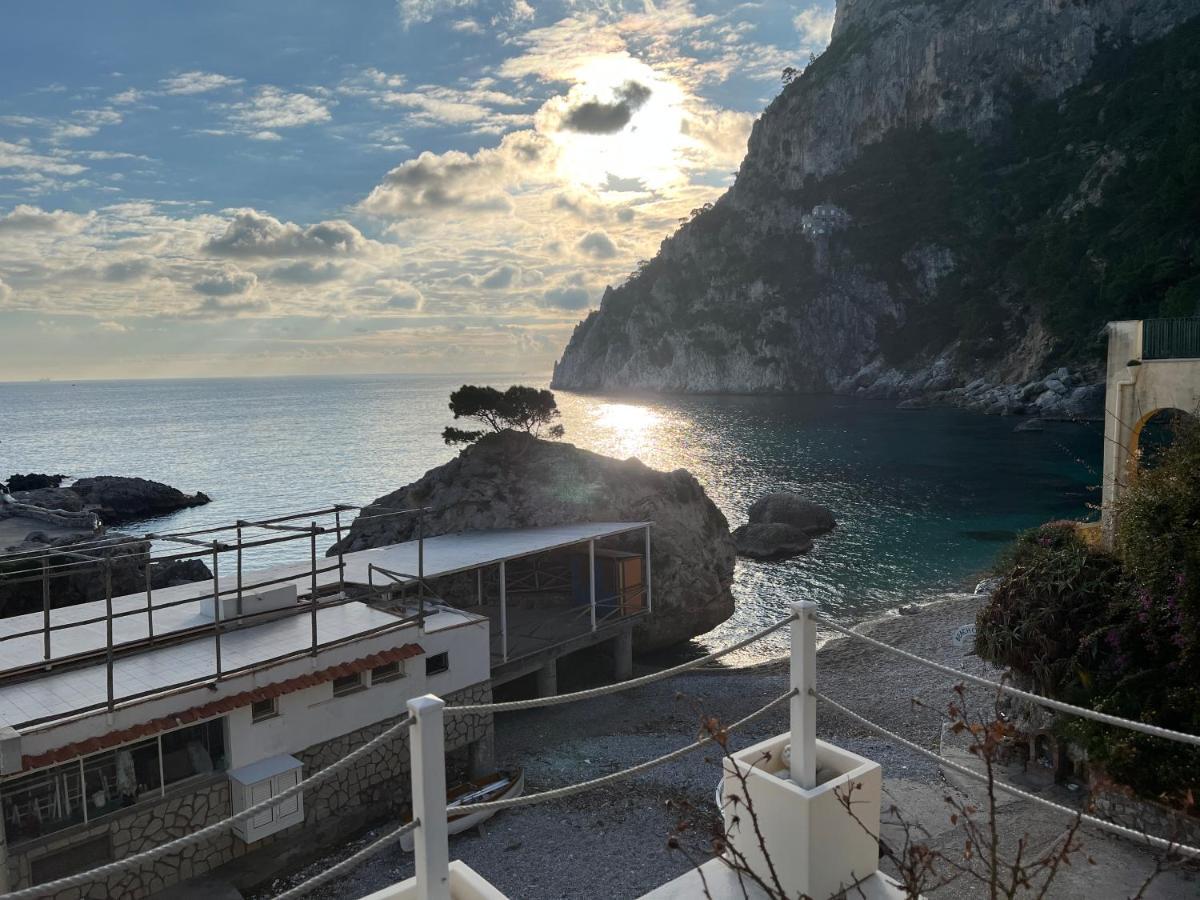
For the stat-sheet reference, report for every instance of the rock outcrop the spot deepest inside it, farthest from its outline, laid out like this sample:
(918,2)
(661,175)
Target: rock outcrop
(860,249)
(33,481)
(118,499)
(781,525)
(513,480)
(72,580)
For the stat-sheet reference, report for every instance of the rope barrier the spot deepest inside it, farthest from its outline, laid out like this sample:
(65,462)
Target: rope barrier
(580,787)
(641,681)
(348,863)
(1060,706)
(1113,827)
(209,831)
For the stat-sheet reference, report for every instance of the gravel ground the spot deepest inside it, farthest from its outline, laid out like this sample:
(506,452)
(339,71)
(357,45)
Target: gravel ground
(612,842)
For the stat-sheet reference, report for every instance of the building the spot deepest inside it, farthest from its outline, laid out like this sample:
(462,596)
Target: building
(1153,365)
(127,722)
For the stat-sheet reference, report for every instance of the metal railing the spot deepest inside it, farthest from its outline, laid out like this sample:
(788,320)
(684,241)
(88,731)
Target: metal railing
(1171,338)
(44,566)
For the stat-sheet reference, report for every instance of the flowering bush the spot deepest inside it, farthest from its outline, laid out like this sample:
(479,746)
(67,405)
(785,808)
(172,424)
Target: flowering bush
(1119,633)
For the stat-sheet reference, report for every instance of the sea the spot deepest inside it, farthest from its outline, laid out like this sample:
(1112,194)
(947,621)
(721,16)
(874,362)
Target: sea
(925,499)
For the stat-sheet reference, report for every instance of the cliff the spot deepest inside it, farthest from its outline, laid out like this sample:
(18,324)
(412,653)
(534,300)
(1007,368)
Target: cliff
(941,199)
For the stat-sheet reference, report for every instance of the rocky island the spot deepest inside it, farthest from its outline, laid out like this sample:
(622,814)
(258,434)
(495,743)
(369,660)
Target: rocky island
(510,479)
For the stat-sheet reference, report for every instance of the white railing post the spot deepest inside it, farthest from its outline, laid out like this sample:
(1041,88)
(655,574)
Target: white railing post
(803,706)
(430,839)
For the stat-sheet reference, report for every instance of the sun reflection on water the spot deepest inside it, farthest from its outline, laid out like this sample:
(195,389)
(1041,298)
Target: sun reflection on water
(631,430)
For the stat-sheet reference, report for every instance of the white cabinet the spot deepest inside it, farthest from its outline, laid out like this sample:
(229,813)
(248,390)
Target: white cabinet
(267,778)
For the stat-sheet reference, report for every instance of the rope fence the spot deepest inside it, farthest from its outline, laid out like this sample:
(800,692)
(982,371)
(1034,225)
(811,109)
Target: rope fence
(802,619)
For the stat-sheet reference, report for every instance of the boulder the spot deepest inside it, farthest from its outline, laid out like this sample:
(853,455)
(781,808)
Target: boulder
(117,499)
(178,571)
(771,540)
(51,498)
(789,508)
(34,481)
(513,480)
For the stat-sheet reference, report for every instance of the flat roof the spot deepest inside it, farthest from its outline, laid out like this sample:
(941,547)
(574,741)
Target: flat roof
(462,551)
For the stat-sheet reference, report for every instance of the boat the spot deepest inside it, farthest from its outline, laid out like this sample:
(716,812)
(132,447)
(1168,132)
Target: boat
(497,786)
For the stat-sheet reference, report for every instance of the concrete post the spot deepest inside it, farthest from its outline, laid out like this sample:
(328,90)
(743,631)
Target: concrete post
(547,679)
(623,655)
(803,706)
(427,744)
(483,756)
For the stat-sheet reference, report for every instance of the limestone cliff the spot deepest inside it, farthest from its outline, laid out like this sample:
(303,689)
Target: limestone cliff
(886,225)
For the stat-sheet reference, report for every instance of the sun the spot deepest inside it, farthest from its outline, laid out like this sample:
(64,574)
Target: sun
(646,153)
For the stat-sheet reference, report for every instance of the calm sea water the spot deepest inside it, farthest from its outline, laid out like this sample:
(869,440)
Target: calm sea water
(924,498)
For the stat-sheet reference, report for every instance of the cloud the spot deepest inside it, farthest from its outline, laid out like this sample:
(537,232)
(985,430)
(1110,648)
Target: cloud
(567,296)
(815,26)
(226,283)
(24,218)
(85,123)
(19,156)
(126,270)
(5,292)
(401,294)
(596,116)
(436,105)
(456,181)
(500,277)
(415,12)
(274,108)
(111,327)
(216,308)
(597,245)
(252,233)
(720,136)
(306,273)
(197,82)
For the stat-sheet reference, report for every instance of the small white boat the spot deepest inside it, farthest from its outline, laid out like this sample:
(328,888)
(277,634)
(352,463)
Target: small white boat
(497,786)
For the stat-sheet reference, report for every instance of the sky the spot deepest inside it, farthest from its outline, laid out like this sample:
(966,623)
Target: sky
(268,188)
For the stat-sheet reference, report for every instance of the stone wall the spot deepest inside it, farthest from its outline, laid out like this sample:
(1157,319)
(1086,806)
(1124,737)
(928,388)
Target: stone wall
(373,788)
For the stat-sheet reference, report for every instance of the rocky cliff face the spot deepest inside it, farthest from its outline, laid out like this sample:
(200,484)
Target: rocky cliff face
(513,480)
(862,245)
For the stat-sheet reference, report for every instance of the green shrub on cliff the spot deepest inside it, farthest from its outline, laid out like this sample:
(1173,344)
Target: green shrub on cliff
(1117,633)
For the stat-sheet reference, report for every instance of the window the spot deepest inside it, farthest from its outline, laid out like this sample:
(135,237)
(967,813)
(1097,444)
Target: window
(198,750)
(41,803)
(387,672)
(264,709)
(439,662)
(347,684)
(118,779)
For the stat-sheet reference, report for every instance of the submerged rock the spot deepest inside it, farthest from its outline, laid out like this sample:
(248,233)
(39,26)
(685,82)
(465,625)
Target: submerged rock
(772,540)
(513,480)
(118,499)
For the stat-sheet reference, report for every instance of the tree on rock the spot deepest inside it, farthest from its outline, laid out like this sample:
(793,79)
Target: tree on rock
(520,408)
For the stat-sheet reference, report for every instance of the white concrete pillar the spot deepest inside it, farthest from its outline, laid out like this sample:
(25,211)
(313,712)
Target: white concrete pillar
(803,706)
(427,744)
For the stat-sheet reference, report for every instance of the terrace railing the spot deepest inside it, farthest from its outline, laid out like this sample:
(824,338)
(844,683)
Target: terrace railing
(210,544)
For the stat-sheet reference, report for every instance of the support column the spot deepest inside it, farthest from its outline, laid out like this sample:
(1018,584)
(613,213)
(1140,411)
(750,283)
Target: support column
(503,614)
(547,679)
(483,755)
(803,706)
(428,749)
(623,655)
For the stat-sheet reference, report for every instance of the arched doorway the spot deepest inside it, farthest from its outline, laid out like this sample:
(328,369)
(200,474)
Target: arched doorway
(1152,435)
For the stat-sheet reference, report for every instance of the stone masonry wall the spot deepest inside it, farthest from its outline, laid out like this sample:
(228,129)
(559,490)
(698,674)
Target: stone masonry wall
(373,788)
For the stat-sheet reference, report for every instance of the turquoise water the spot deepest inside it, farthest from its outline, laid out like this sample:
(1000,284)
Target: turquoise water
(924,498)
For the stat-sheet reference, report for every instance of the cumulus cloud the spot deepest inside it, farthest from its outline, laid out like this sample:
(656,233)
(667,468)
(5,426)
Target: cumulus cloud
(567,296)
(126,270)
(456,181)
(815,26)
(597,245)
(226,283)
(218,308)
(19,156)
(252,234)
(401,294)
(274,108)
(5,292)
(596,116)
(303,272)
(500,277)
(25,218)
(197,82)
(720,135)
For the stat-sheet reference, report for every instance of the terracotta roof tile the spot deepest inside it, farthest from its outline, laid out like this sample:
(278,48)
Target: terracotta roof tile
(218,707)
